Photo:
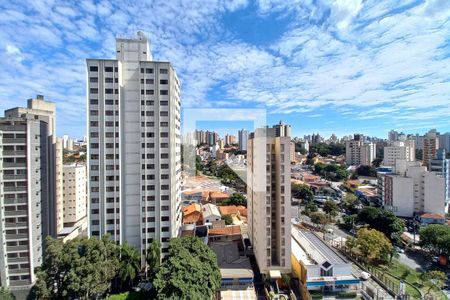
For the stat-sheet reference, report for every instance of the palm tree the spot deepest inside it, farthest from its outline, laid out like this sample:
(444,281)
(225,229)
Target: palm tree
(130,263)
(153,258)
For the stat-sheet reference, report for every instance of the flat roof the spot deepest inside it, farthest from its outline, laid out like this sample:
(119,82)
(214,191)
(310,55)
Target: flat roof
(306,243)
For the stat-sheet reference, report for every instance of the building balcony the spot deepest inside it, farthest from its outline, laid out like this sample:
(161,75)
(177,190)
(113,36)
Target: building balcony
(14,225)
(14,141)
(19,260)
(22,213)
(11,237)
(8,165)
(14,188)
(14,177)
(19,271)
(14,153)
(17,248)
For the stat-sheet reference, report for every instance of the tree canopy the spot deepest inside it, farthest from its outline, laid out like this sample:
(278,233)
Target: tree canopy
(236,199)
(153,258)
(368,171)
(6,294)
(302,191)
(190,271)
(434,280)
(319,218)
(382,220)
(331,208)
(351,203)
(371,244)
(332,172)
(436,238)
(327,149)
(82,268)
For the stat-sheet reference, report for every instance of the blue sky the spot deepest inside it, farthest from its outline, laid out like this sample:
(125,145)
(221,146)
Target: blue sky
(325,66)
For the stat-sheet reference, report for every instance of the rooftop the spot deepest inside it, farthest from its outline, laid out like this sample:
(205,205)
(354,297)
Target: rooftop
(228,230)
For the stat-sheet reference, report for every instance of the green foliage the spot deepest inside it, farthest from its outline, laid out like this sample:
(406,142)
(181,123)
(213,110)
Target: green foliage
(377,162)
(236,199)
(190,271)
(324,149)
(129,296)
(198,164)
(153,258)
(350,221)
(228,219)
(310,207)
(331,208)
(370,244)
(436,238)
(346,295)
(6,294)
(318,218)
(302,191)
(130,263)
(331,172)
(367,171)
(351,203)
(384,221)
(434,280)
(81,268)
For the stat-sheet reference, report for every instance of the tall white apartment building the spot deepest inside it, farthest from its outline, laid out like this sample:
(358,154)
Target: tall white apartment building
(268,198)
(415,192)
(75,194)
(242,139)
(357,152)
(25,197)
(134,142)
(399,150)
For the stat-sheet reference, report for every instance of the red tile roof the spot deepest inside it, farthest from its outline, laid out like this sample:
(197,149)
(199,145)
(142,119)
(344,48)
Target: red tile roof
(228,230)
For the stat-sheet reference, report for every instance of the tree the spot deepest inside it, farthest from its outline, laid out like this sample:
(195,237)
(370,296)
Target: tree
(130,263)
(434,280)
(310,207)
(236,199)
(377,162)
(384,221)
(228,219)
(318,218)
(372,245)
(331,208)
(436,238)
(364,170)
(6,295)
(81,268)
(350,221)
(302,191)
(351,203)
(153,258)
(190,271)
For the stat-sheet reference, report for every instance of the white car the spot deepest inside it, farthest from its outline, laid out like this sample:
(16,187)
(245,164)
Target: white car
(365,275)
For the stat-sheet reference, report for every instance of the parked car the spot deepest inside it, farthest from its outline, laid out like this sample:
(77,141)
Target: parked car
(365,275)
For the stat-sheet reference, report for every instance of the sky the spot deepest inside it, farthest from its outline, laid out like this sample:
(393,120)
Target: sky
(328,66)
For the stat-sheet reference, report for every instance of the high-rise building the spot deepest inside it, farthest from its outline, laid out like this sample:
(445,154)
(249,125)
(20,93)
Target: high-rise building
(230,139)
(242,139)
(25,197)
(44,110)
(444,141)
(134,146)
(430,146)
(414,192)
(282,129)
(75,195)
(357,152)
(268,194)
(399,150)
(392,135)
(441,166)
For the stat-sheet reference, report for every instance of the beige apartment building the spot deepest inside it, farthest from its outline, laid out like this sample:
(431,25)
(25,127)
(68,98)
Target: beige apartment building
(430,146)
(134,146)
(268,198)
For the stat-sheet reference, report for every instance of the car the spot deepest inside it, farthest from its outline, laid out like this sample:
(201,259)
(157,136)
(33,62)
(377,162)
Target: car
(365,275)
(399,250)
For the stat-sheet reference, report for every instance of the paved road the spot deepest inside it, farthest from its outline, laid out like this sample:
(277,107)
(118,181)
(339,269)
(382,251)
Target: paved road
(378,292)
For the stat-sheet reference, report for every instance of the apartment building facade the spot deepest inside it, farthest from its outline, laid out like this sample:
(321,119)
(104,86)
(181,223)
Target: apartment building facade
(24,198)
(430,146)
(399,150)
(357,152)
(268,198)
(441,165)
(134,146)
(242,139)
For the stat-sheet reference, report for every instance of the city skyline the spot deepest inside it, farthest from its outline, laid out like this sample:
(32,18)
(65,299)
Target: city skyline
(339,67)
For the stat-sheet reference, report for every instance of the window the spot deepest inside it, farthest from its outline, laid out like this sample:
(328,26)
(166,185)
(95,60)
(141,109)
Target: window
(109,80)
(108,91)
(149,81)
(164,176)
(164,103)
(93,79)
(93,68)
(164,134)
(93,91)
(94,101)
(94,124)
(164,124)
(164,92)
(149,71)
(164,81)
(108,69)
(162,71)
(149,92)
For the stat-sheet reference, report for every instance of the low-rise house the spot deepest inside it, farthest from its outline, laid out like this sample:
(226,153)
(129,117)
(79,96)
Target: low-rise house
(227,233)
(192,214)
(429,218)
(211,213)
(237,213)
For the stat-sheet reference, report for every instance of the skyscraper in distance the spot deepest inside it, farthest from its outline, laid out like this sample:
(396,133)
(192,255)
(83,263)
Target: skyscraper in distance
(242,139)
(134,146)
